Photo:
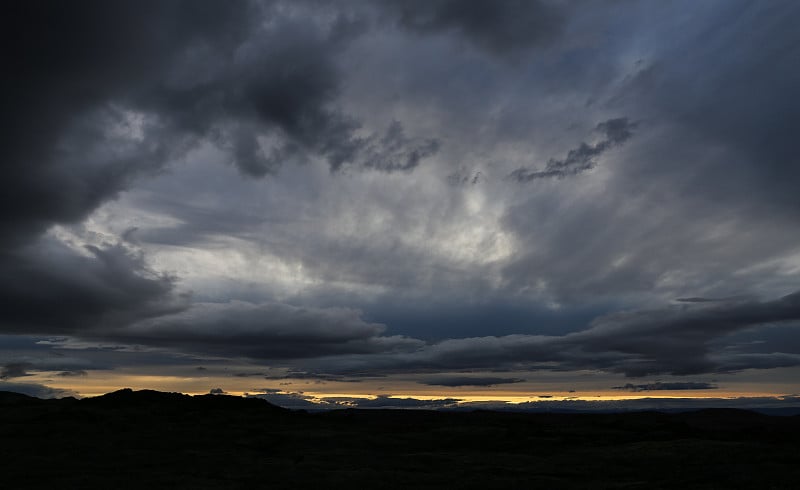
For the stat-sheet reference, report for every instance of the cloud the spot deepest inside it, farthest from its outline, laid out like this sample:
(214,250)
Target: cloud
(265,331)
(714,91)
(454,381)
(68,148)
(148,115)
(679,341)
(78,372)
(50,288)
(675,341)
(395,151)
(503,27)
(106,96)
(15,370)
(322,377)
(668,386)
(583,158)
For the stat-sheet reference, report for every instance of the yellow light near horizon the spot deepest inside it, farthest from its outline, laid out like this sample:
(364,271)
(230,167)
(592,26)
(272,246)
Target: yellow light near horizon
(97,383)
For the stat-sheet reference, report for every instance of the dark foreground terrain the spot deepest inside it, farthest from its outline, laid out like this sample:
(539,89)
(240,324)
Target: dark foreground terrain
(151,440)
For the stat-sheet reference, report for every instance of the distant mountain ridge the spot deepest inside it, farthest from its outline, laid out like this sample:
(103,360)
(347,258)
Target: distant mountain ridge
(150,439)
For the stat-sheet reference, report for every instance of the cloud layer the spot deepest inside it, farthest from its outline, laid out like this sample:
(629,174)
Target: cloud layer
(336,189)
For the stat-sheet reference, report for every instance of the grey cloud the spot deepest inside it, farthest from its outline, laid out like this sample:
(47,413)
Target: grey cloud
(263,331)
(454,381)
(103,96)
(501,27)
(658,386)
(675,341)
(704,202)
(48,288)
(298,374)
(464,176)
(578,160)
(15,370)
(395,151)
(78,372)
(71,62)
(737,96)
(678,342)
(739,361)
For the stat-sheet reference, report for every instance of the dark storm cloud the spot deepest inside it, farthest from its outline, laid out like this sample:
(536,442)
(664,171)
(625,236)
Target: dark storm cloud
(229,72)
(675,341)
(100,94)
(584,157)
(679,342)
(706,193)
(676,385)
(454,381)
(500,27)
(266,331)
(66,63)
(730,81)
(49,288)
(15,370)
(322,377)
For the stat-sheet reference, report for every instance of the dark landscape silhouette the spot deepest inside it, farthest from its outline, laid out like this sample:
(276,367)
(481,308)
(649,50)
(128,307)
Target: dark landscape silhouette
(151,439)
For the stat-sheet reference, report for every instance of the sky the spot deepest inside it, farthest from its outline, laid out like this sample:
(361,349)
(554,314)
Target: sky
(403,203)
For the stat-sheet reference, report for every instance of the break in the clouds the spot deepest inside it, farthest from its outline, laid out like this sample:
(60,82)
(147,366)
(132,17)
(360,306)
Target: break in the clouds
(443,190)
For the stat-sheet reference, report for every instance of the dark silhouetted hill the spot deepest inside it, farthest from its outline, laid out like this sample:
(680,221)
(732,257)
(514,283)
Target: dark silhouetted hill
(148,439)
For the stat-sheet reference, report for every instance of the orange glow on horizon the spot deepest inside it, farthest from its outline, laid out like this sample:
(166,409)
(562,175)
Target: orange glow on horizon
(97,383)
